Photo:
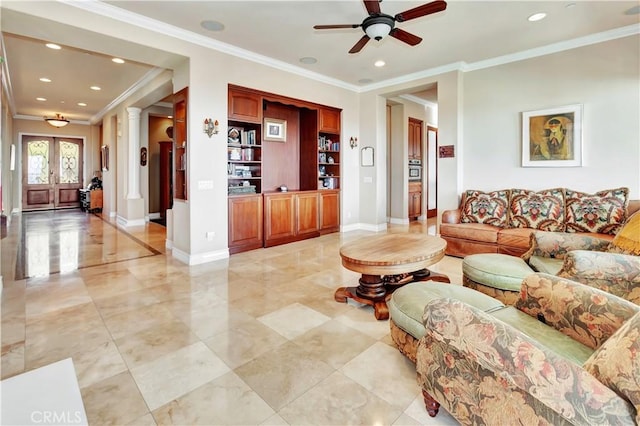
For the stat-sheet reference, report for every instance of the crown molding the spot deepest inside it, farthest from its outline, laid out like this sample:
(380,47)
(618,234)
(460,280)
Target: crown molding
(514,57)
(419,101)
(113,12)
(146,79)
(557,47)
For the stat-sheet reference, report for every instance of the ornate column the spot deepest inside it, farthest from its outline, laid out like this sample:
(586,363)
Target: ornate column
(133,187)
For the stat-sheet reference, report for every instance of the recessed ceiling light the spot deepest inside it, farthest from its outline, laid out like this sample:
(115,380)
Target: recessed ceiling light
(169,116)
(41,99)
(53,46)
(365,81)
(95,88)
(308,60)
(380,63)
(45,80)
(570,5)
(118,60)
(81,104)
(537,17)
(212,25)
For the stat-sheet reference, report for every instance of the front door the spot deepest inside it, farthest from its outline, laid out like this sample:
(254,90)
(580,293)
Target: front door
(51,172)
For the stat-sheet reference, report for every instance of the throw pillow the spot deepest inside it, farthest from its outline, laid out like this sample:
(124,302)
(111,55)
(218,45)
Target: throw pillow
(627,240)
(485,207)
(616,362)
(603,212)
(543,210)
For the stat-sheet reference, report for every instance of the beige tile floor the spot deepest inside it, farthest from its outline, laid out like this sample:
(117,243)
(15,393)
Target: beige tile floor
(254,339)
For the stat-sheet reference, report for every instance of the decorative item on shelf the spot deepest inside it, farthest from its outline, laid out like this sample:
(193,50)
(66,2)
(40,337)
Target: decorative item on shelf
(353,142)
(210,126)
(322,170)
(330,160)
(58,121)
(283,188)
(322,157)
(233,134)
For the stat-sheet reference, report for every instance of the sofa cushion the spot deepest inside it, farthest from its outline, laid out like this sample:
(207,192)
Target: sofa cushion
(543,210)
(603,212)
(406,305)
(616,362)
(490,208)
(470,231)
(548,265)
(515,237)
(496,270)
(627,240)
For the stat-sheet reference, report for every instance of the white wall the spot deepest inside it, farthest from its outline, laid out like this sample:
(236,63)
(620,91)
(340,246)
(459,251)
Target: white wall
(604,78)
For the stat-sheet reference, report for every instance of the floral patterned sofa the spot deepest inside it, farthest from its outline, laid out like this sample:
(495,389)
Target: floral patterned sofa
(566,353)
(502,221)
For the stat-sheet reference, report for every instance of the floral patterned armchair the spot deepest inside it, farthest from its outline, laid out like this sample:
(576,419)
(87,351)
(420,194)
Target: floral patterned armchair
(566,353)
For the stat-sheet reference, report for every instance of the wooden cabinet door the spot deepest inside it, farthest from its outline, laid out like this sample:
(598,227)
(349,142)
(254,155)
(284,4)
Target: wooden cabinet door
(279,219)
(307,218)
(415,199)
(245,106)
(245,223)
(329,211)
(415,139)
(329,120)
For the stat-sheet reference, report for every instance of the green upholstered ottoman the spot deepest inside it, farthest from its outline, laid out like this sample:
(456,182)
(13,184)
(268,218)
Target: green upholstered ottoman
(406,307)
(497,275)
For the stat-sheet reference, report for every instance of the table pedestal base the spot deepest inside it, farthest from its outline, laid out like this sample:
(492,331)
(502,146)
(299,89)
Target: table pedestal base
(375,290)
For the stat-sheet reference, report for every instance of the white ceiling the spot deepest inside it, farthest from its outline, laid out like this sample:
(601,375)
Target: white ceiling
(282,31)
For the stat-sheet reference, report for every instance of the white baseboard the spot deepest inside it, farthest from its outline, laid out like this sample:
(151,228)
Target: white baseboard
(201,258)
(363,227)
(129,223)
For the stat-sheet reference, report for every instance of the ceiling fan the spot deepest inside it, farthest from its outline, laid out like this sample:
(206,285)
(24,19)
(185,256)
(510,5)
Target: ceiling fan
(378,25)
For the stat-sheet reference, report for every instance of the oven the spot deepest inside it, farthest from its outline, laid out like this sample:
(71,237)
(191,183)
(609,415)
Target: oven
(415,170)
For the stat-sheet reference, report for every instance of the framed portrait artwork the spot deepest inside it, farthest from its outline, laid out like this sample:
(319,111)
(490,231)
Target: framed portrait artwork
(552,137)
(275,130)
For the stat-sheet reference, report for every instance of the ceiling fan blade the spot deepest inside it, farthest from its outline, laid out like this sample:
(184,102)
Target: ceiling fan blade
(405,36)
(331,27)
(373,6)
(360,44)
(425,9)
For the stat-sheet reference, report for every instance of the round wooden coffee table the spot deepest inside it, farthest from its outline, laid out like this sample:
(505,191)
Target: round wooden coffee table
(387,262)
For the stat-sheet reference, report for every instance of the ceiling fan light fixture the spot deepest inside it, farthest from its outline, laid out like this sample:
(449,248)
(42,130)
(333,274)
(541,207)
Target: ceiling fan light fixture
(58,121)
(378,31)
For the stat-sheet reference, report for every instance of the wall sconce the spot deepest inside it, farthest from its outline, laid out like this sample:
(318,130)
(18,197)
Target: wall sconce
(210,126)
(353,142)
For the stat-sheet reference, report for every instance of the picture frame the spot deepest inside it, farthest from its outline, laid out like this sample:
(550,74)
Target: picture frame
(104,158)
(275,130)
(552,137)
